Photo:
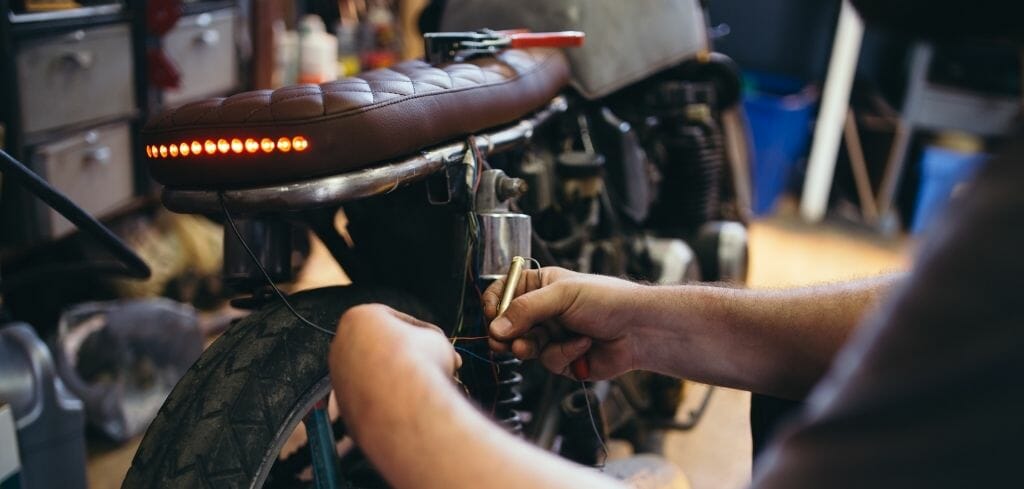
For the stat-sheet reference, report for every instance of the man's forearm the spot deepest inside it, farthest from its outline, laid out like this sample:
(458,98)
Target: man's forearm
(422,433)
(777,342)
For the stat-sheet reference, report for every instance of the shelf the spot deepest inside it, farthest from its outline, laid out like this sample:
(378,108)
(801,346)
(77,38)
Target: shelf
(66,14)
(32,139)
(192,8)
(46,23)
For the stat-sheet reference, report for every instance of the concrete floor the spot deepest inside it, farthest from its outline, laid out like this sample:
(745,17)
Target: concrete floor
(715,454)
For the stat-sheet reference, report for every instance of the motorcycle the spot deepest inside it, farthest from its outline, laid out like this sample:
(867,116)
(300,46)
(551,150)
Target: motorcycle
(445,171)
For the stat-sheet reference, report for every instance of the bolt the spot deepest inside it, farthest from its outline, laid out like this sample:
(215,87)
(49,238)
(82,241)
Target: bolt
(510,188)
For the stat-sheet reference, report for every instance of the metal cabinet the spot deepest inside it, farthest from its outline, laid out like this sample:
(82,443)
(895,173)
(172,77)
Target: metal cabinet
(93,168)
(77,84)
(203,49)
(81,76)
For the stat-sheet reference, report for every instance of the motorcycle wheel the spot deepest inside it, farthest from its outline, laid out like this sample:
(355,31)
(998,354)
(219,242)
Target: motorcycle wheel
(225,422)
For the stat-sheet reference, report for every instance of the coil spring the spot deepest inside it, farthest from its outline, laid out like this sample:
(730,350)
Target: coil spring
(508,395)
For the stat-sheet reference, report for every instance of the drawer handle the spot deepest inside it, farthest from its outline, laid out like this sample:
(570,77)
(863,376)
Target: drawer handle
(97,156)
(209,37)
(81,60)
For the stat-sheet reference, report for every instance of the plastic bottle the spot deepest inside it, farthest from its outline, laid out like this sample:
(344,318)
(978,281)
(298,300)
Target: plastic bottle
(318,59)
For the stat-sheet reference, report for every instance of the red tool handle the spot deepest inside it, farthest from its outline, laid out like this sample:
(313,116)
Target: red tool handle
(509,32)
(564,39)
(580,368)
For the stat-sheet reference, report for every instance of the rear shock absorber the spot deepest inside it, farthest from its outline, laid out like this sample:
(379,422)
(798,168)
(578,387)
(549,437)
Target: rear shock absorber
(506,234)
(508,396)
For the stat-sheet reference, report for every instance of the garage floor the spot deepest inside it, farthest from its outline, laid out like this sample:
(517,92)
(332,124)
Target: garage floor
(716,454)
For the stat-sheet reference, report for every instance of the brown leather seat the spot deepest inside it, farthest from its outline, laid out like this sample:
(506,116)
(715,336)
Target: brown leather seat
(303,131)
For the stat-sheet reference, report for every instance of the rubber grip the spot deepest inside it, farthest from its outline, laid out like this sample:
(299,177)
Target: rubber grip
(564,39)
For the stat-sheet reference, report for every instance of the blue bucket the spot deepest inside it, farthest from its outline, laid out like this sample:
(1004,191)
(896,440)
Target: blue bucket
(941,171)
(779,110)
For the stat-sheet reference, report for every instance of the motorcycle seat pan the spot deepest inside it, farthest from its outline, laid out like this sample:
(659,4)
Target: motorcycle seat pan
(346,124)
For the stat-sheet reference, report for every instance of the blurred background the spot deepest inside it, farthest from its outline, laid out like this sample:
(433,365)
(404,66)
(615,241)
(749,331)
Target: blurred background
(854,140)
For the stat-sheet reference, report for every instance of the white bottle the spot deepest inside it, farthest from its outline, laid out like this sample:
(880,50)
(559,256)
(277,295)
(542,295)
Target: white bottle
(286,56)
(318,60)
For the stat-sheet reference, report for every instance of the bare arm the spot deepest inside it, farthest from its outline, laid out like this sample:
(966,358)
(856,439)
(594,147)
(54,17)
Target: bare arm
(775,342)
(394,386)
(778,342)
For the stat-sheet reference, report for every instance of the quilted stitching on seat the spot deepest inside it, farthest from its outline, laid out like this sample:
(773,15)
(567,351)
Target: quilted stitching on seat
(357,121)
(299,102)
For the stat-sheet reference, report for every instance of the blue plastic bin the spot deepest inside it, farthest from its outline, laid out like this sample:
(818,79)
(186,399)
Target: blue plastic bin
(779,111)
(941,171)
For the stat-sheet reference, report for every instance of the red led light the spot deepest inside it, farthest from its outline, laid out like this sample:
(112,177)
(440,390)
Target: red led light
(224,146)
(267,145)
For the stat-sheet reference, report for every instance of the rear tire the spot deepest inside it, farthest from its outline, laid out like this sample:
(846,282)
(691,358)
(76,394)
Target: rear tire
(223,425)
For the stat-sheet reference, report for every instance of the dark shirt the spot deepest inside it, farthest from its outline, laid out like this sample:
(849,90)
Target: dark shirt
(929,392)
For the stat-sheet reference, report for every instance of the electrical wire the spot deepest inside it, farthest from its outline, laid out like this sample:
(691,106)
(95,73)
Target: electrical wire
(468,338)
(474,355)
(284,300)
(586,398)
(266,276)
(593,424)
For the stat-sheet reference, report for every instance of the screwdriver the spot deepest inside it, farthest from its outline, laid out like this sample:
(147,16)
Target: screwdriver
(580,367)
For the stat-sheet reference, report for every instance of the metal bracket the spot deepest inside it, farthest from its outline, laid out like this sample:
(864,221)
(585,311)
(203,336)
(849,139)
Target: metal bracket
(456,184)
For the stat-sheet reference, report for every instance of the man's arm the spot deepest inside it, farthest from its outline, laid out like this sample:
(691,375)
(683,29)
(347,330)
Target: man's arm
(927,393)
(394,386)
(777,342)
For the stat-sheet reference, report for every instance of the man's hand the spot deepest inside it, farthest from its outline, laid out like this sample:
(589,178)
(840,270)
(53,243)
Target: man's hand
(559,315)
(375,343)
(392,375)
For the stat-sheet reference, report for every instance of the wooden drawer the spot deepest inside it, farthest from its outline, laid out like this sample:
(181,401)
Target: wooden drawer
(82,76)
(203,49)
(93,168)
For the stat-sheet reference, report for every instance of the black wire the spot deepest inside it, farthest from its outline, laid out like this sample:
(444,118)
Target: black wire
(128,263)
(266,276)
(593,424)
(234,230)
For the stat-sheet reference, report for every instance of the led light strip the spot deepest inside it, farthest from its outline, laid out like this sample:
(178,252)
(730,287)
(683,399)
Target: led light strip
(224,146)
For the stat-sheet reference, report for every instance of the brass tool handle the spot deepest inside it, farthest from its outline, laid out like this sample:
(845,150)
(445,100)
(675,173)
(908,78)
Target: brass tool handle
(515,271)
